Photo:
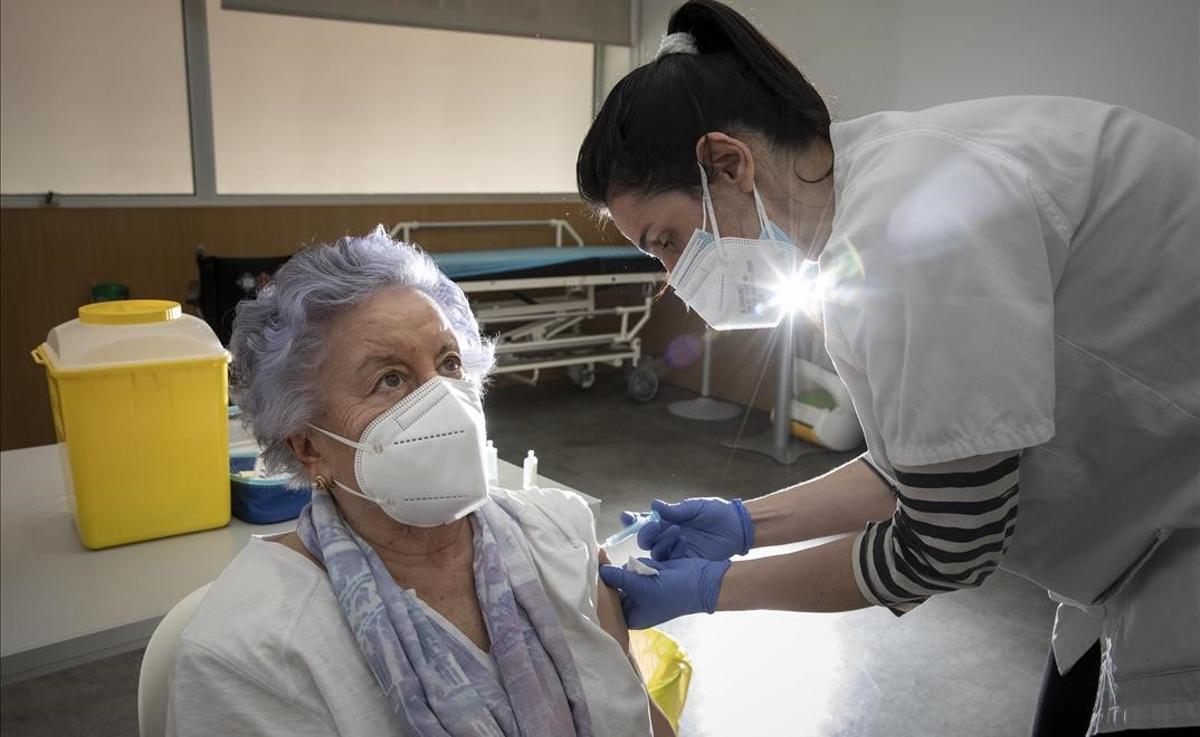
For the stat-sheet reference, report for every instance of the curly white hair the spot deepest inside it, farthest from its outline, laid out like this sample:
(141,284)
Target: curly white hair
(279,338)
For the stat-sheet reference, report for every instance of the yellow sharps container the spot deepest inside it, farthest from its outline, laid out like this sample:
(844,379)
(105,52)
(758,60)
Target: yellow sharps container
(139,393)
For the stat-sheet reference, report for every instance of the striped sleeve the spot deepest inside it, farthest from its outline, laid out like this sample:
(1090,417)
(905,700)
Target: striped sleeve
(950,530)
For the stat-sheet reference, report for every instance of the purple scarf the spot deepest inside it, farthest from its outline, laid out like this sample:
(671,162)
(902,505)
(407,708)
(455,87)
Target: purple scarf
(435,684)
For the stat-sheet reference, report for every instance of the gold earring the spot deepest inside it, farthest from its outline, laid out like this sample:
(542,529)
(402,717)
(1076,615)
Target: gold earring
(321,483)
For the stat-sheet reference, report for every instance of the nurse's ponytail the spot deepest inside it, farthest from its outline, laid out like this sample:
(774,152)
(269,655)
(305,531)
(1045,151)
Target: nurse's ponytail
(734,80)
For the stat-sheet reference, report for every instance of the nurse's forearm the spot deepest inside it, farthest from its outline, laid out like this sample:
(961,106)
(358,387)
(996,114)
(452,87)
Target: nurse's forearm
(841,501)
(819,579)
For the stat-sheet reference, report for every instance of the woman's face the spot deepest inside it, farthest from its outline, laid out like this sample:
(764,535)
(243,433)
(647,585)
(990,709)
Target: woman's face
(659,224)
(662,224)
(377,352)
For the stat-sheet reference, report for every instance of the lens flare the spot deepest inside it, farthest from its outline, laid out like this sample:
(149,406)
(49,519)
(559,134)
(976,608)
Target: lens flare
(684,351)
(801,290)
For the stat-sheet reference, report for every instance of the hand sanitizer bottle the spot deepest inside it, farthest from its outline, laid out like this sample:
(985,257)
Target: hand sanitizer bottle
(529,475)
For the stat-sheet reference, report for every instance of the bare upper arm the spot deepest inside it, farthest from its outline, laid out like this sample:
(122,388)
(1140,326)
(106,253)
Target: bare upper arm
(608,607)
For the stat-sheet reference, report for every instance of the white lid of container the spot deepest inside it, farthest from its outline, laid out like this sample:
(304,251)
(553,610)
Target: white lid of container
(130,332)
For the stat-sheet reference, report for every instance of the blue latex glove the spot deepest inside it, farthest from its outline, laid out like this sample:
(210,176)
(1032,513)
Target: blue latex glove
(701,527)
(684,586)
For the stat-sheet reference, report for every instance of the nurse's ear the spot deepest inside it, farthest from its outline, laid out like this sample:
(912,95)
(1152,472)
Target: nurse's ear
(727,159)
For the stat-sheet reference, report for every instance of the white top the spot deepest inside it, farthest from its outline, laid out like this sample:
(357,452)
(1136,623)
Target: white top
(269,651)
(1021,273)
(79,345)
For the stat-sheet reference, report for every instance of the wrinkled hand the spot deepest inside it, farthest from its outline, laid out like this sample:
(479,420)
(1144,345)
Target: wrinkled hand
(707,527)
(684,586)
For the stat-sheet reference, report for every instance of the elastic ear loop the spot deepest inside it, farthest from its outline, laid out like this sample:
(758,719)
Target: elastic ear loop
(762,216)
(707,204)
(766,226)
(358,494)
(339,484)
(340,439)
(351,444)
(709,211)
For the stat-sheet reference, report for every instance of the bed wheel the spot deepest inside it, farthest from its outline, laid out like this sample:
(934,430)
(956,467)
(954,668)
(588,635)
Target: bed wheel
(583,377)
(642,385)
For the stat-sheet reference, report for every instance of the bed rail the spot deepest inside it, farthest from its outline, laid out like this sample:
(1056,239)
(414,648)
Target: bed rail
(404,230)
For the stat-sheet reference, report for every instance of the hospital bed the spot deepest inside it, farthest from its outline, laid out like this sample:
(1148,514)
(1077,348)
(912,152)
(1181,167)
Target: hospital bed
(536,302)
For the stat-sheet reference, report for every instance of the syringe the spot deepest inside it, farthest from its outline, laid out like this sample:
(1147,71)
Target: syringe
(642,520)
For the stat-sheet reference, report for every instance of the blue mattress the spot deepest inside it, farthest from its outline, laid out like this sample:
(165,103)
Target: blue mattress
(527,263)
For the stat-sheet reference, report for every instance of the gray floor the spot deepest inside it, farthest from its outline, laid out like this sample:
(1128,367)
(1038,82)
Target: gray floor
(626,453)
(963,664)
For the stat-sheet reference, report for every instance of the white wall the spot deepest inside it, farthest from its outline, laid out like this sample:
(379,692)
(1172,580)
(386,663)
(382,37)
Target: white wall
(93,97)
(868,55)
(308,106)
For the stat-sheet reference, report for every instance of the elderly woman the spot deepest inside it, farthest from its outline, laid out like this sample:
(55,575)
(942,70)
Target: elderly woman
(411,599)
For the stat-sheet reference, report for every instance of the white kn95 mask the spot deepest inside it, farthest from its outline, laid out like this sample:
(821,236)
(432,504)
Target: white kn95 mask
(731,282)
(422,461)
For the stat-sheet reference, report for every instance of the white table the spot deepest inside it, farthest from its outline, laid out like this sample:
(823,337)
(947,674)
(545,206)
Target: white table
(63,605)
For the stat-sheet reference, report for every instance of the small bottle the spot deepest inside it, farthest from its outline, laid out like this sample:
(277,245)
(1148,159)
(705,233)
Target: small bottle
(529,477)
(493,463)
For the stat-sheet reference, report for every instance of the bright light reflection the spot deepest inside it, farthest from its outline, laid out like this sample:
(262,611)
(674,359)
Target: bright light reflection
(787,670)
(775,674)
(805,290)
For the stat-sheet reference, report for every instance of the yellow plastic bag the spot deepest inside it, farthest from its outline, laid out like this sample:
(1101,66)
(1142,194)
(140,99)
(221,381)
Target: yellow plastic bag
(665,668)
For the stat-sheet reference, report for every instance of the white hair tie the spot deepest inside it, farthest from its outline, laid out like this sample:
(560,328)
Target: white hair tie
(677,43)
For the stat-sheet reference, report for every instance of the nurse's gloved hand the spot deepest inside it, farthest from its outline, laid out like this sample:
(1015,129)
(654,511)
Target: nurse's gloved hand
(684,586)
(701,527)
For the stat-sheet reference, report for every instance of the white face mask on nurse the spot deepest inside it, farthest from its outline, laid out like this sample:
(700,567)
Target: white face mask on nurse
(747,233)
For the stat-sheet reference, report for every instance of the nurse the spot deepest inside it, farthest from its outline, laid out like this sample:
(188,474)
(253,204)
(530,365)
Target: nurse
(1009,288)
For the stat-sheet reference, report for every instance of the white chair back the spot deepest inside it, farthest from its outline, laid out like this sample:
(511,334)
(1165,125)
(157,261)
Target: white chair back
(154,682)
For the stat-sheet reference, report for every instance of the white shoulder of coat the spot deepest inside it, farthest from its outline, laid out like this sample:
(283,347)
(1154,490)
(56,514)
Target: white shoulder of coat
(552,507)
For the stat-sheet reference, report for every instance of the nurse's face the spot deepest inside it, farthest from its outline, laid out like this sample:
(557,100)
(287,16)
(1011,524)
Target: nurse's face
(798,197)
(661,224)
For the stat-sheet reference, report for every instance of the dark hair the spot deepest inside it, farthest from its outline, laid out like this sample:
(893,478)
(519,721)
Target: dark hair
(644,137)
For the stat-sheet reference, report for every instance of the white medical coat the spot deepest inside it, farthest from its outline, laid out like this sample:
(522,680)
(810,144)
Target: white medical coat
(1023,273)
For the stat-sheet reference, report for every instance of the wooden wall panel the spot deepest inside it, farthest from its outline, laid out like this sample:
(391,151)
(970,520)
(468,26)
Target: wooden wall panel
(51,257)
